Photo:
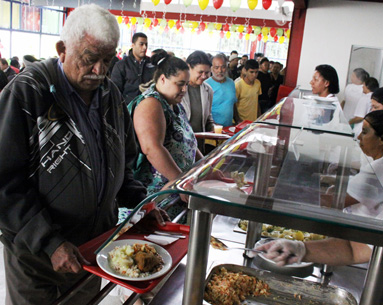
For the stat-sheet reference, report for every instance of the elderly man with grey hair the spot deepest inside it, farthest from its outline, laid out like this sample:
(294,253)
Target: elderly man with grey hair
(66,145)
(224,98)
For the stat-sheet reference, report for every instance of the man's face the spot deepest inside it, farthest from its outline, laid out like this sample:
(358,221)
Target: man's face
(243,60)
(251,75)
(218,69)
(86,63)
(139,48)
(276,68)
(234,63)
(3,67)
(264,66)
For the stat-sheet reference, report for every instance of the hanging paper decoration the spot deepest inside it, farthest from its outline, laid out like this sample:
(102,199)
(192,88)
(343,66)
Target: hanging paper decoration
(119,19)
(126,20)
(155,22)
(235,5)
(257,30)
(178,24)
(273,32)
(151,27)
(187,2)
(182,30)
(249,29)
(253,37)
(203,4)
(287,33)
(195,24)
(217,4)
(265,38)
(247,36)
(218,26)
(275,38)
(240,35)
(252,4)
(167,1)
(222,34)
(171,23)
(155,2)
(166,29)
(265,31)
(202,26)
(147,22)
(133,20)
(226,27)
(279,32)
(163,23)
(198,31)
(140,20)
(233,27)
(211,34)
(266,4)
(240,28)
(259,37)
(281,39)
(211,27)
(228,34)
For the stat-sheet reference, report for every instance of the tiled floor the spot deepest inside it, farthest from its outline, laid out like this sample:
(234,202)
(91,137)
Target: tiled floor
(112,299)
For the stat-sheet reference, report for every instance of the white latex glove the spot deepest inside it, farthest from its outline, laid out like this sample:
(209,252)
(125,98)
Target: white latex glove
(283,251)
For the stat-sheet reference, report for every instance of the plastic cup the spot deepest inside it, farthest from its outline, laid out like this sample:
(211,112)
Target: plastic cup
(218,128)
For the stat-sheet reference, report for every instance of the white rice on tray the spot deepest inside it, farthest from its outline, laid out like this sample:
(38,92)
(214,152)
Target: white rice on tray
(121,260)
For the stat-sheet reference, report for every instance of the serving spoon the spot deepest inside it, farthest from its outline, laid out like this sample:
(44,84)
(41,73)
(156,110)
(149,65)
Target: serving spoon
(220,245)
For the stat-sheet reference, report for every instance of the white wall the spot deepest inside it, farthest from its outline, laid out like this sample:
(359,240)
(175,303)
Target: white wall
(331,28)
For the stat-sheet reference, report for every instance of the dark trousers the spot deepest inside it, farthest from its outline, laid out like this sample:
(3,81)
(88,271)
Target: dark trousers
(30,279)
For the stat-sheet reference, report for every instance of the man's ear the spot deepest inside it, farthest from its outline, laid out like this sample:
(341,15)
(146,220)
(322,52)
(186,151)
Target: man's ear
(61,50)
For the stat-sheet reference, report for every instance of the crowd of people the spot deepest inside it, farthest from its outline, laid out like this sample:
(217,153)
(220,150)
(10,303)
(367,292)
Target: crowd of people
(97,131)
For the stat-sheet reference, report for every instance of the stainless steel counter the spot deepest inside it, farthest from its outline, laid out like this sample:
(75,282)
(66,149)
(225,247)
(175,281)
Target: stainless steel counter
(351,278)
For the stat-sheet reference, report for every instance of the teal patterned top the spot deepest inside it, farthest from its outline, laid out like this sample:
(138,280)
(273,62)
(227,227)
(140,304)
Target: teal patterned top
(179,141)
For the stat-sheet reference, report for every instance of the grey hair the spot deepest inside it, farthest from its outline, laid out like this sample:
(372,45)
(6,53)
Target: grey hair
(93,20)
(220,56)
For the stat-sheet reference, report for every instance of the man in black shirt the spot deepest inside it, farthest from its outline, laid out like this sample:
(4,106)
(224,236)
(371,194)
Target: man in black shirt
(266,84)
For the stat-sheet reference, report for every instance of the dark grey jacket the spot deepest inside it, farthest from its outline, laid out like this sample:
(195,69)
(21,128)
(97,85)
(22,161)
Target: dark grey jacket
(127,74)
(47,188)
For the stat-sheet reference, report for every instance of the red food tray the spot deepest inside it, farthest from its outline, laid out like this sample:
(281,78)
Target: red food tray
(228,129)
(177,250)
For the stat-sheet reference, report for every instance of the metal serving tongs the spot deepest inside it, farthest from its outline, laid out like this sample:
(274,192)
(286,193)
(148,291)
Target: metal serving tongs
(220,245)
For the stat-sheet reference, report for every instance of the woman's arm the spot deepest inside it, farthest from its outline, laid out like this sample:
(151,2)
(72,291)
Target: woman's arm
(150,126)
(335,251)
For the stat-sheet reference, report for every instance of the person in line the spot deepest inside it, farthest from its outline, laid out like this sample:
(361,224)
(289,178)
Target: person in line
(364,105)
(233,66)
(242,74)
(276,81)
(325,81)
(3,80)
(63,179)
(199,96)
(224,96)
(9,72)
(14,64)
(243,59)
(354,92)
(166,139)
(264,78)
(377,100)
(247,92)
(333,251)
(134,69)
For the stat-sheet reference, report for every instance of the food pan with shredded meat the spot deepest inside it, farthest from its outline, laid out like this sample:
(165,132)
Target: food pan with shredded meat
(231,288)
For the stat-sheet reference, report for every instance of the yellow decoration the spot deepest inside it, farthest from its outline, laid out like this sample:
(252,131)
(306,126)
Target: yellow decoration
(265,38)
(133,20)
(252,4)
(211,34)
(194,24)
(128,26)
(281,39)
(192,31)
(155,2)
(218,26)
(240,28)
(287,33)
(119,19)
(148,22)
(171,23)
(265,31)
(203,4)
(228,34)
(247,36)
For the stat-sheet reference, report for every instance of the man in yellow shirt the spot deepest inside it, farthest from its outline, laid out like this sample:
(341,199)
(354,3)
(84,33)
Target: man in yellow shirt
(247,91)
